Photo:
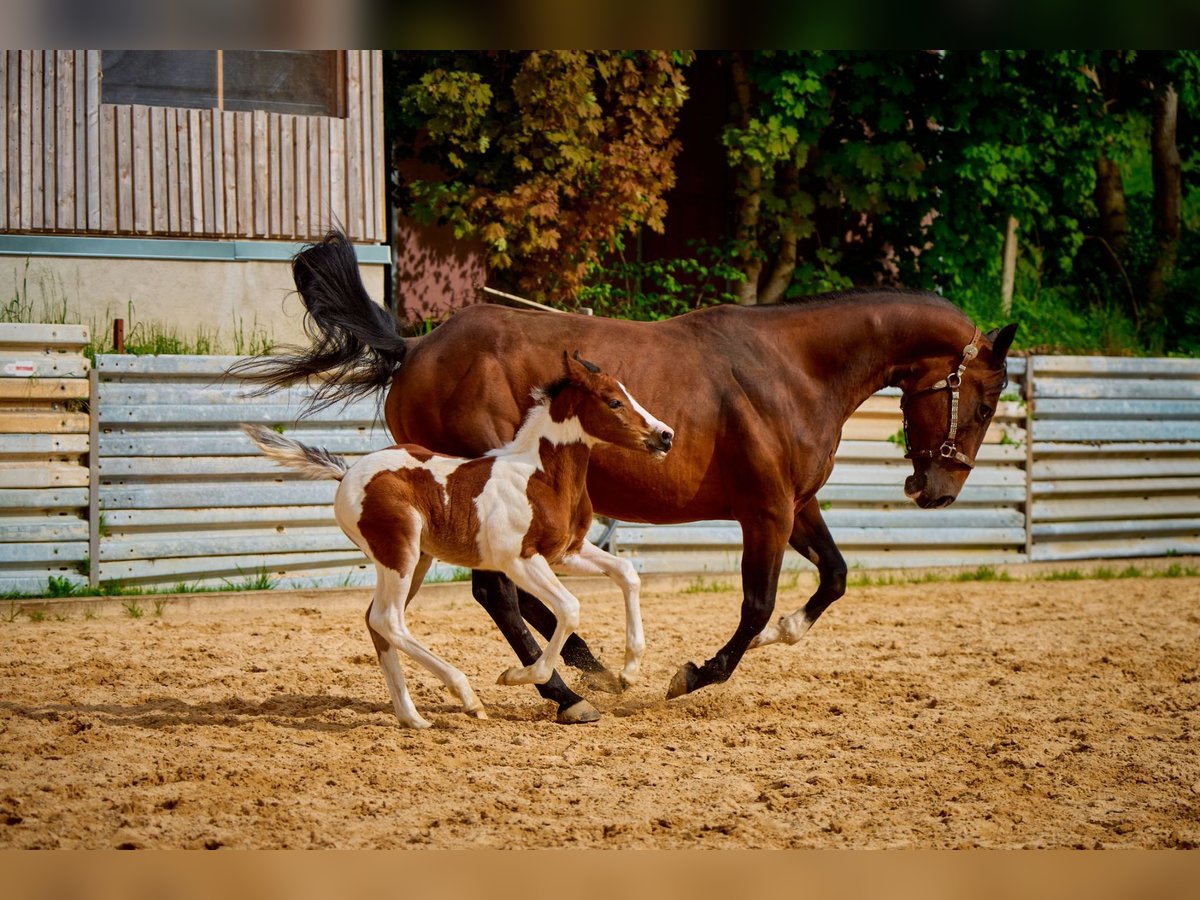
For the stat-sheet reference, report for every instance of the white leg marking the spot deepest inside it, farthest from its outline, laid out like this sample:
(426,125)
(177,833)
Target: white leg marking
(535,577)
(788,630)
(387,619)
(591,561)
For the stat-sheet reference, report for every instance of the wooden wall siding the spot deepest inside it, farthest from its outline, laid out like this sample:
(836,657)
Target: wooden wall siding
(69,164)
(1116,457)
(44,444)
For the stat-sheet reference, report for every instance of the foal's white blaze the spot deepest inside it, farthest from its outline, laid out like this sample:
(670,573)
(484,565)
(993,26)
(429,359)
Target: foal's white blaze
(651,422)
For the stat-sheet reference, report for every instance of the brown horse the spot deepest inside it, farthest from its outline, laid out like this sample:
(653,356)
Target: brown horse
(757,397)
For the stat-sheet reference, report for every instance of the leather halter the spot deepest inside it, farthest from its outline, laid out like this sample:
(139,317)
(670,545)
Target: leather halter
(949,449)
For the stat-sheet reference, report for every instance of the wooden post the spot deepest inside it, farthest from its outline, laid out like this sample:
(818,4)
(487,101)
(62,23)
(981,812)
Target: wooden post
(1009,271)
(118,335)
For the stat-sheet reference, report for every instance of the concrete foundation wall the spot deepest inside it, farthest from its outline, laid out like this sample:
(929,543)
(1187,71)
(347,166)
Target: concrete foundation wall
(216,298)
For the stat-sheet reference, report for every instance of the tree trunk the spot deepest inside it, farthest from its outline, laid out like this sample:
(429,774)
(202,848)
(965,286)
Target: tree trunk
(785,264)
(1008,267)
(1110,205)
(751,198)
(1168,198)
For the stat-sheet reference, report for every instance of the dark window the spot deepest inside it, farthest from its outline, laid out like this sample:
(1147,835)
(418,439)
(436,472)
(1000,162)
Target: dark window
(299,82)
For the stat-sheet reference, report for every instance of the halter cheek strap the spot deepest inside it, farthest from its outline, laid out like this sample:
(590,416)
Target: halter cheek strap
(952,383)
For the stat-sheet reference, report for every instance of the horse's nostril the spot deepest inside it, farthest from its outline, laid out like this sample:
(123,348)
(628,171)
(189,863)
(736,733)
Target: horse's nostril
(667,437)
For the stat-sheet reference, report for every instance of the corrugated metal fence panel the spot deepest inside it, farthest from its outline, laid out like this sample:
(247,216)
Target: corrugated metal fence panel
(43,455)
(186,498)
(1116,457)
(874,524)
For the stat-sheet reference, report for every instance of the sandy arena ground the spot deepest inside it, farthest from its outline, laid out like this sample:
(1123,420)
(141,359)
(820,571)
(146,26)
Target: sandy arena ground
(998,714)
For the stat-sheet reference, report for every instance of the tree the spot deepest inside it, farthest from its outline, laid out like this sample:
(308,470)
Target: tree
(546,157)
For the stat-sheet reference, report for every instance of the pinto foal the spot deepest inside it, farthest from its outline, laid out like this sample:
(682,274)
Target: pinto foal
(523,509)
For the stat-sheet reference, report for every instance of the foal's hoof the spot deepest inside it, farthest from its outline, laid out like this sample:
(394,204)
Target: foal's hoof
(578,714)
(605,681)
(685,681)
(476,713)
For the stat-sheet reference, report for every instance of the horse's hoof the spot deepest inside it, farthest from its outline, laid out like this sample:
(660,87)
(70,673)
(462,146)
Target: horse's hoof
(578,714)
(604,680)
(626,683)
(476,713)
(684,682)
(417,724)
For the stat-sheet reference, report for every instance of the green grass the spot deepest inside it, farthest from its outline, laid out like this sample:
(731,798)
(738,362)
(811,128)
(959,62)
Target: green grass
(699,585)
(456,574)
(132,609)
(257,580)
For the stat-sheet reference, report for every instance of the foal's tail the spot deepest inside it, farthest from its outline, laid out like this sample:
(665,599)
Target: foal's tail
(308,461)
(354,339)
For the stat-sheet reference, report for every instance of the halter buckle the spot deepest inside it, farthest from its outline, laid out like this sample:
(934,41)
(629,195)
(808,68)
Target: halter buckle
(954,380)
(948,450)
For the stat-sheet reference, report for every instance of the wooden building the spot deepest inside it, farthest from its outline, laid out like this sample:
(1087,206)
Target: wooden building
(178,183)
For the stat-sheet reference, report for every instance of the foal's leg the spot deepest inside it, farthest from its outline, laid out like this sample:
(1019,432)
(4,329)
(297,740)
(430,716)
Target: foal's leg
(810,538)
(535,575)
(389,662)
(591,560)
(764,537)
(575,653)
(385,619)
(498,596)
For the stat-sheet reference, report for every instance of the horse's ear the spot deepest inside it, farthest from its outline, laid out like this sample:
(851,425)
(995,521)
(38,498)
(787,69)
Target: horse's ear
(1001,339)
(591,367)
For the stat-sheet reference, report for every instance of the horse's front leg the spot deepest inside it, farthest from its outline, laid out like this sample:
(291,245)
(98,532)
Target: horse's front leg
(811,539)
(498,596)
(575,653)
(764,538)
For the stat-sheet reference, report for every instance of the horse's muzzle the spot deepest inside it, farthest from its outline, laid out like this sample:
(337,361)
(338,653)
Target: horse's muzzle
(661,442)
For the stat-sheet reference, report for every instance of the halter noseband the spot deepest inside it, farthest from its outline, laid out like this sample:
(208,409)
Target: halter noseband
(948,449)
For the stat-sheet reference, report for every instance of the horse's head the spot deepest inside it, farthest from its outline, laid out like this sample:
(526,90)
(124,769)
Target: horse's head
(607,411)
(947,410)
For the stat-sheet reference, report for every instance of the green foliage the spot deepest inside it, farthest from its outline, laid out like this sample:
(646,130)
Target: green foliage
(659,289)
(544,157)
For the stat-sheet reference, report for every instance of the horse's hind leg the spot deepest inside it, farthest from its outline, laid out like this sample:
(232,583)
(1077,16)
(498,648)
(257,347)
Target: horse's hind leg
(498,596)
(389,662)
(811,539)
(385,620)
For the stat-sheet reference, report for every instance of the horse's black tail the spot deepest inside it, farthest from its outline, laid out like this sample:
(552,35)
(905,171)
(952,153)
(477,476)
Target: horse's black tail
(354,340)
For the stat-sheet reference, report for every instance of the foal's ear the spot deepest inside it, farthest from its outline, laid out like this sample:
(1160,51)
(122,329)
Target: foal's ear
(578,367)
(1001,339)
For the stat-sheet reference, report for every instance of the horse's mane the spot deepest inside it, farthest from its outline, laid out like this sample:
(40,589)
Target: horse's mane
(880,294)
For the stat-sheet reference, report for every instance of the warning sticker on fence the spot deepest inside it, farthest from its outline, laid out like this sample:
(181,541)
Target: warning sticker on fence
(21,368)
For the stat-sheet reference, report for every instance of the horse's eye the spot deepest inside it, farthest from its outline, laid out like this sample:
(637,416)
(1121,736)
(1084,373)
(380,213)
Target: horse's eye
(615,404)
(985,411)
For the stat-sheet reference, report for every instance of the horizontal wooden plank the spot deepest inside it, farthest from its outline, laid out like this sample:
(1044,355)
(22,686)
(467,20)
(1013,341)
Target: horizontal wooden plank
(42,476)
(232,567)
(222,442)
(1115,508)
(1056,469)
(1123,548)
(1095,366)
(1129,527)
(42,445)
(1100,430)
(124,522)
(50,552)
(357,414)
(50,498)
(1118,388)
(1159,449)
(225,544)
(1117,409)
(217,494)
(871,451)
(28,364)
(48,528)
(1094,486)
(111,364)
(43,389)
(131,467)
(43,422)
(728,563)
(199,392)
(15,334)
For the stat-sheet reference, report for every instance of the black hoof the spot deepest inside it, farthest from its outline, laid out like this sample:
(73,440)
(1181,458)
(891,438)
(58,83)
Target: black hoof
(579,714)
(686,680)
